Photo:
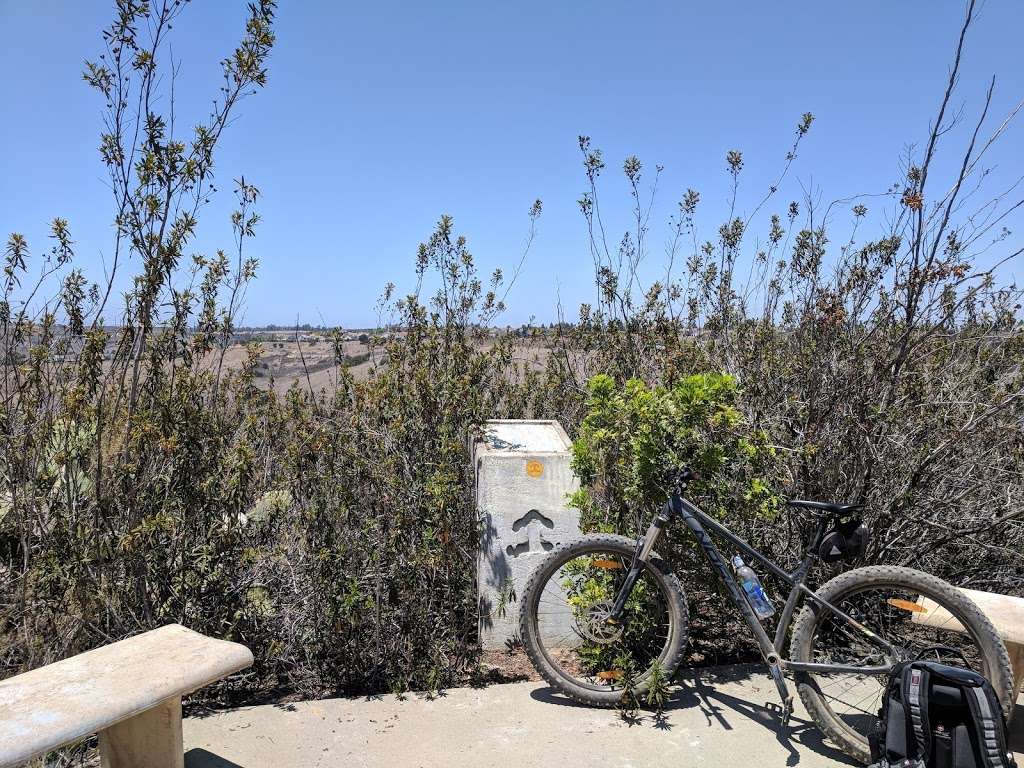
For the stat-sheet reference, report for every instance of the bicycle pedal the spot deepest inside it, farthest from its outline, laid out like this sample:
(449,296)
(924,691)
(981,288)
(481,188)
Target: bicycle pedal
(787,711)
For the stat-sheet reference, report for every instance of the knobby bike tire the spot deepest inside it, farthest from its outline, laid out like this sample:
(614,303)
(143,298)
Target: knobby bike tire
(996,660)
(671,590)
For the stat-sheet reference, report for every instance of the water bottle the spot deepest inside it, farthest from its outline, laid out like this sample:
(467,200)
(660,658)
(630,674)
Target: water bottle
(752,589)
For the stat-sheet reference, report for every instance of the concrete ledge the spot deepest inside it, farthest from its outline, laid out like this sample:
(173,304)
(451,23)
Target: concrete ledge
(140,680)
(1006,613)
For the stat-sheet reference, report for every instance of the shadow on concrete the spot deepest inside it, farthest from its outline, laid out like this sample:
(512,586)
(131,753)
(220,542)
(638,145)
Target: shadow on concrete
(200,758)
(698,690)
(280,698)
(501,572)
(690,677)
(717,705)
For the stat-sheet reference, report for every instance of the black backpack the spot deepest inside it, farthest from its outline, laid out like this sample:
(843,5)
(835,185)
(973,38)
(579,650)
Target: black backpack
(938,716)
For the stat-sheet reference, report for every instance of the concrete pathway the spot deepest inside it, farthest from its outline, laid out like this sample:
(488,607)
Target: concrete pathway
(717,718)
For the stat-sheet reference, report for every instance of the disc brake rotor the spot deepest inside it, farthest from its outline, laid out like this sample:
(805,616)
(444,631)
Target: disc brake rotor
(597,626)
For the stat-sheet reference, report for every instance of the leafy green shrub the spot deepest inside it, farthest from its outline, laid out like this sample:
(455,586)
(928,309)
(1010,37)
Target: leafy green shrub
(636,439)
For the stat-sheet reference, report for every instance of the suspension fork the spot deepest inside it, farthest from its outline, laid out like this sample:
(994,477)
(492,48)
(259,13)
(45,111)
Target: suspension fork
(642,553)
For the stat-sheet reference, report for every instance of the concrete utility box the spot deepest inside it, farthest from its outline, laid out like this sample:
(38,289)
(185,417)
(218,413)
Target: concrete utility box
(523,478)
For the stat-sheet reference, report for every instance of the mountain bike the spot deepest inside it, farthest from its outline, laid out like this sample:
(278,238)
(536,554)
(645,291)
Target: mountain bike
(604,616)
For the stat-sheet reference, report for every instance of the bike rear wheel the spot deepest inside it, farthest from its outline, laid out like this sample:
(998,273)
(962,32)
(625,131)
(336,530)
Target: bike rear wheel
(912,611)
(565,629)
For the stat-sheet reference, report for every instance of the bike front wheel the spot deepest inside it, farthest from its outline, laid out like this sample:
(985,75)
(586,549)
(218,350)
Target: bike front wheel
(567,632)
(913,612)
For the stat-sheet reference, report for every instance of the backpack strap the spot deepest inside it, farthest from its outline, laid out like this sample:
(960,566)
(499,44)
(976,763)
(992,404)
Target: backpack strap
(915,699)
(989,716)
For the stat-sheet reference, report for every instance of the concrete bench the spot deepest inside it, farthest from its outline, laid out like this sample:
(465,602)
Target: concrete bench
(1004,611)
(128,692)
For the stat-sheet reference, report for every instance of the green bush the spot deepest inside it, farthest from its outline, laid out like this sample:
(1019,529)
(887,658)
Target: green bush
(635,440)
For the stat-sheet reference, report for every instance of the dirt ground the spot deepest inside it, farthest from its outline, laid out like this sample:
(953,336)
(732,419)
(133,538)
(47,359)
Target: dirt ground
(310,361)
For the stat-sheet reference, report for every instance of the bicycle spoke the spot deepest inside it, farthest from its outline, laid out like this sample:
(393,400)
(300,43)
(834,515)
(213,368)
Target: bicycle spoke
(900,616)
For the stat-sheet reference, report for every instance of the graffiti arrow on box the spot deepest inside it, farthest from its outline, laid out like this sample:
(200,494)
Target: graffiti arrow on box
(530,528)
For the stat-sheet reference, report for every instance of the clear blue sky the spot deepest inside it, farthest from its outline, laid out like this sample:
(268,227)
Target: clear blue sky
(379,117)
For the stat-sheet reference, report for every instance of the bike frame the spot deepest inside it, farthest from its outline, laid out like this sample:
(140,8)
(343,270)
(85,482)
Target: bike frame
(700,523)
